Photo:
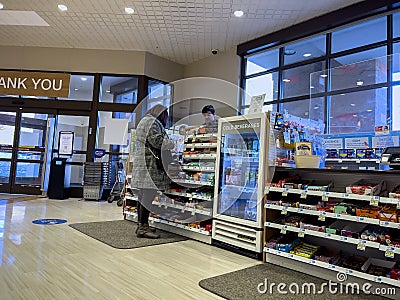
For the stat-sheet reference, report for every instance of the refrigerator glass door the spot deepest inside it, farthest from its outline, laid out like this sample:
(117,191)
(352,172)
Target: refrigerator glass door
(239,169)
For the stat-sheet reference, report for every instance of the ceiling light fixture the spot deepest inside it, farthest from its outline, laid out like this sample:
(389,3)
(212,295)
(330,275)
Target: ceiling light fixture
(352,104)
(307,54)
(62,7)
(108,91)
(354,115)
(238,13)
(316,107)
(324,75)
(286,80)
(1,5)
(360,83)
(289,52)
(76,89)
(83,78)
(129,10)
(369,110)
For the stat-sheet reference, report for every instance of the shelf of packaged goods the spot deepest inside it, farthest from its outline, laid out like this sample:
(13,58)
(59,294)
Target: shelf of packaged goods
(323,214)
(189,195)
(374,200)
(193,182)
(356,160)
(335,268)
(198,169)
(200,156)
(133,198)
(201,145)
(183,208)
(190,137)
(325,235)
(193,233)
(389,224)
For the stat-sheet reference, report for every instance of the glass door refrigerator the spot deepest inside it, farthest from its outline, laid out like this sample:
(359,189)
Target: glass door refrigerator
(239,188)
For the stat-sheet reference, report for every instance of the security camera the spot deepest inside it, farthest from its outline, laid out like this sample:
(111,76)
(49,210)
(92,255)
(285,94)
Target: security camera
(214,51)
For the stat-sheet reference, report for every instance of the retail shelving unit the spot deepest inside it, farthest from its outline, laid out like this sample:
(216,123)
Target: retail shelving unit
(282,202)
(187,204)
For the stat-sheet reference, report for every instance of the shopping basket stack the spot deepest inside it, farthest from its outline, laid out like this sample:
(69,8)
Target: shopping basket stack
(94,179)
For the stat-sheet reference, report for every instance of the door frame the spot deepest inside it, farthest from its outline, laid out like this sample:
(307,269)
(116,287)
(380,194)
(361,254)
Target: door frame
(11,186)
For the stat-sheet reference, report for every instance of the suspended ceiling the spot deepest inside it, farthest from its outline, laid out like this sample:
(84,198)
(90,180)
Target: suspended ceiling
(183,31)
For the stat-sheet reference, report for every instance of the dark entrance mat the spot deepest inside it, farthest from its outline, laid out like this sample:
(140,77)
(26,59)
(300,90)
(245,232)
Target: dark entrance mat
(121,234)
(243,284)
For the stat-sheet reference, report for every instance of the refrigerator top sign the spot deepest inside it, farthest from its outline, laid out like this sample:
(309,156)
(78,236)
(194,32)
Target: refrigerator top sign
(246,125)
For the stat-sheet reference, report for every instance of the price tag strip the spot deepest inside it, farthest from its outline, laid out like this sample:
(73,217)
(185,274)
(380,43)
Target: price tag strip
(303,195)
(361,245)
(389,252)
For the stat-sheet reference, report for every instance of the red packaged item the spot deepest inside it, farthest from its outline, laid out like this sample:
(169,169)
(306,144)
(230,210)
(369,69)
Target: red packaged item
(389,213)
(363,187)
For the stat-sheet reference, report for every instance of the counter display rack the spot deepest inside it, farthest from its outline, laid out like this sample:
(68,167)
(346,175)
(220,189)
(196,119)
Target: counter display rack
(338,220)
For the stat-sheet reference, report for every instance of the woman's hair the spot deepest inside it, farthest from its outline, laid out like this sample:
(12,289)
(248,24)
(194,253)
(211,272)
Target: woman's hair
(159,112)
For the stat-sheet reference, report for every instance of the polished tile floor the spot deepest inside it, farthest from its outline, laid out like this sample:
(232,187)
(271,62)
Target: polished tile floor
(58,262)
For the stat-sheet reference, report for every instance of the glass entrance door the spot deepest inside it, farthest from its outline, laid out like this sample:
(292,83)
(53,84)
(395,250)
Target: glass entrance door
(23,151)
(7,131)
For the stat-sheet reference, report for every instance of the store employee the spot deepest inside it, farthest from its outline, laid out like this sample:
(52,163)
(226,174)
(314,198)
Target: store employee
(208,112)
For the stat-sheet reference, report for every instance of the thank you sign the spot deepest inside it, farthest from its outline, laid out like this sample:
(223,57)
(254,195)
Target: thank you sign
(34,84)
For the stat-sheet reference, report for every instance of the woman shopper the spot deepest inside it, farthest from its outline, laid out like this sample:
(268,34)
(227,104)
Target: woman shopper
(148,173)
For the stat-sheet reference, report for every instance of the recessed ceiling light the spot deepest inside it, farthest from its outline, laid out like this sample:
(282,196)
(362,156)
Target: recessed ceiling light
(307,54)
(289,52)
(83,78)
(360,82)
(352,104)
(286,80)
(108,91)
(324,75)
(1,5)
(316,107)
(369,110)
(62,7)
(342,94)
(129,10)
(76,89)
(238,13)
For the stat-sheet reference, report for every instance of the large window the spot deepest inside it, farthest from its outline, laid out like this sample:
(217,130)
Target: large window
(359,35)
(158,93)
(117,89)
(266,84)
(262,62)
(340,76)
(358,111)
(80,88)
(296,80)
(307,49)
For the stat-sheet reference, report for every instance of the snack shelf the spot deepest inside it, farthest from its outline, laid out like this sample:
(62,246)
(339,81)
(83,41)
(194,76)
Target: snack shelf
(201,169)
(338,269)
(200,136)
(183,208)
(200,156)
(133,198)
(189,195)
(324,214)
(326,195)
(201,145)
(329,236)
(356,160)
(193,182)
(389,224)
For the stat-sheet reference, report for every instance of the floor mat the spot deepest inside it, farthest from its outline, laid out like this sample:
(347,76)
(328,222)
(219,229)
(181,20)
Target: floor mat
(250,283)
(121,234)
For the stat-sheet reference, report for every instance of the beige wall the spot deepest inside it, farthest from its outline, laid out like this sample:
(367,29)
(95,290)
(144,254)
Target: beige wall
(224,65)
(89,60)
(161,68)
